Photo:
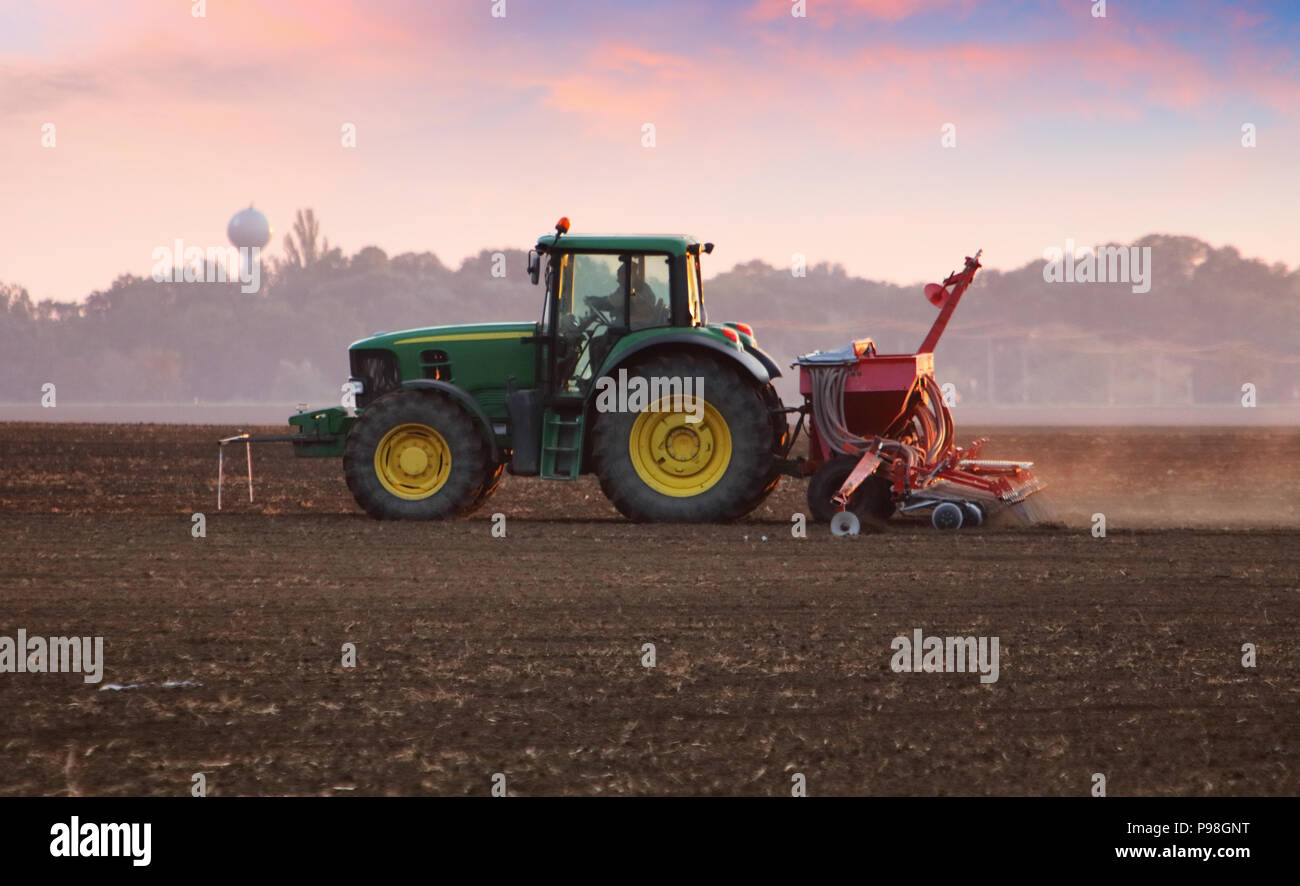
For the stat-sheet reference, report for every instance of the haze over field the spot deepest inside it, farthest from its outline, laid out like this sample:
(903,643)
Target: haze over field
(1212,321)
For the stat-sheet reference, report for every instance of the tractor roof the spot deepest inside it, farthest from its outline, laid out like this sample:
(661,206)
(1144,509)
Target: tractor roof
(673,244)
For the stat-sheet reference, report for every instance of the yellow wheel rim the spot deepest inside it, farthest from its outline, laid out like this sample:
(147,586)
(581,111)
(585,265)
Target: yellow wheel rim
(412,461)
(676,457)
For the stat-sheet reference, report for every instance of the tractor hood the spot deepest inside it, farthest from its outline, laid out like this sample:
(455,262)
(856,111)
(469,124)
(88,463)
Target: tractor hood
(390,341)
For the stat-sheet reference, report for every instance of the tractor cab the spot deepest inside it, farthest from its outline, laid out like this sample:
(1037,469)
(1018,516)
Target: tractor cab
(601,288)
(607,297)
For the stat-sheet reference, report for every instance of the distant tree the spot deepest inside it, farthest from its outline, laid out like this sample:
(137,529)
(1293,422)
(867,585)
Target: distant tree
(15,301)
(301,248)
(422,264)
(370,258)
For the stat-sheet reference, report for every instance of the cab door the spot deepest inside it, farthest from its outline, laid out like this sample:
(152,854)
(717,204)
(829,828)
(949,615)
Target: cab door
(590,316)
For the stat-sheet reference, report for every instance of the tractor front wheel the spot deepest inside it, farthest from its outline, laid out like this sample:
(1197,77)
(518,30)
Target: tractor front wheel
(416,456)
(659,465)
(489,487)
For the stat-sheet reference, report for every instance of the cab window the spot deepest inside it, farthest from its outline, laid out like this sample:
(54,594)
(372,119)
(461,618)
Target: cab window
(649,292)
(591,311)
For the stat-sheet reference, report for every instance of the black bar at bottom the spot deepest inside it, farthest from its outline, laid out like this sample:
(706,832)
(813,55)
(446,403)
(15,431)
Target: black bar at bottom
(657,838)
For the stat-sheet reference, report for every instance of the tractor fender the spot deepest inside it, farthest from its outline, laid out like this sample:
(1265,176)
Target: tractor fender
(756,367)
(467,402)
(769,364)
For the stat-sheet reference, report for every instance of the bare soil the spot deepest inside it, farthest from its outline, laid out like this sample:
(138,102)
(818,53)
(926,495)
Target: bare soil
(523,655)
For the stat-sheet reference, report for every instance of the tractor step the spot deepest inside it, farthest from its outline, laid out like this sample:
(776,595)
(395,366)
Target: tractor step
(562,443)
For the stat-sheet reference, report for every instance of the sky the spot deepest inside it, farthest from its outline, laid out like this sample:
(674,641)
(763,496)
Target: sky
(773,134)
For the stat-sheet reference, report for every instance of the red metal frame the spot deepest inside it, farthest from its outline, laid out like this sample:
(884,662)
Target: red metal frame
(894,402)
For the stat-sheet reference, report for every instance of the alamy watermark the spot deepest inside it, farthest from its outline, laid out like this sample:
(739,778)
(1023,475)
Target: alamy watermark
(216,264)
(102,840)
(53,655)
(655,394)
(1101,264)
(952,655)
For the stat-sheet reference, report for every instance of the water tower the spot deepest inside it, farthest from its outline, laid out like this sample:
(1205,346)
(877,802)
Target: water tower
(248,229)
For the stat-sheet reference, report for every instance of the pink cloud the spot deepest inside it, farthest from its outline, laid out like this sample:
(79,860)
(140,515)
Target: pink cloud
(1242,19)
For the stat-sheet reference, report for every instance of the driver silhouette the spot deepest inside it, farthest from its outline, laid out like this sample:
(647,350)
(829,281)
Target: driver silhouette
(646,310)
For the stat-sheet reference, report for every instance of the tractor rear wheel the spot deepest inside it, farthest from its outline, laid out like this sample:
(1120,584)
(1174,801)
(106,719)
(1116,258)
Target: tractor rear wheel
(656,466)
(872,500)
(780,440)
(416,455)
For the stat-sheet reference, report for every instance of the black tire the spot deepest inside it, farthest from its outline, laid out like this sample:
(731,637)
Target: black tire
(763,493)
(493,481)
(470,467)
(781,429)
(780,436)
(749,473)
(872,501)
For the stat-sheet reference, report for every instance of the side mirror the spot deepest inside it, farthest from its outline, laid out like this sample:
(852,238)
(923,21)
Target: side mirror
(534,265)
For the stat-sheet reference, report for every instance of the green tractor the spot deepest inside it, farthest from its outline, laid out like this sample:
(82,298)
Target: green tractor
(622,377)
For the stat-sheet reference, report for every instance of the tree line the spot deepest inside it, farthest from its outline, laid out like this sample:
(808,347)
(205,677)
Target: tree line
(1211,322)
